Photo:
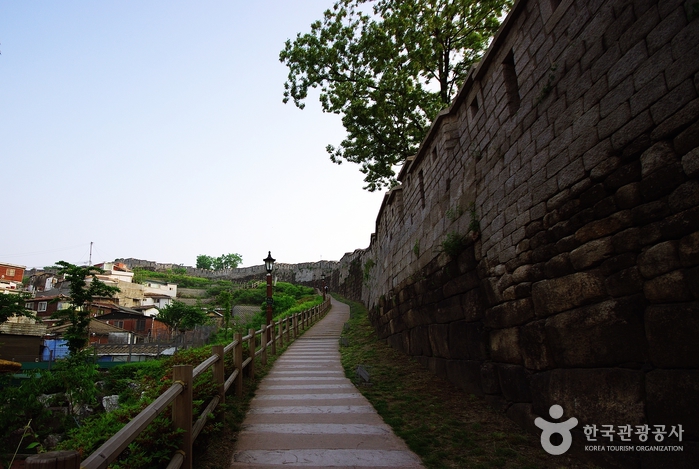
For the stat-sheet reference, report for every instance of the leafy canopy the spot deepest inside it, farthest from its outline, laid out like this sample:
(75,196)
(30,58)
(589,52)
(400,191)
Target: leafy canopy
(224,261)
(388,67)
(12,304)
(84,288)
(181,317)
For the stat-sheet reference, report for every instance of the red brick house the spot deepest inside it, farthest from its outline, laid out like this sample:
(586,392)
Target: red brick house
(11,276)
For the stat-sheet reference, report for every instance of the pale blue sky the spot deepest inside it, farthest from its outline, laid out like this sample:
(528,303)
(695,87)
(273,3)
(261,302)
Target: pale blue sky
(156,129)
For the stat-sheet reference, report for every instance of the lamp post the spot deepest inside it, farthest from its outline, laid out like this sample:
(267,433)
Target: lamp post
(322,277)
(269,266)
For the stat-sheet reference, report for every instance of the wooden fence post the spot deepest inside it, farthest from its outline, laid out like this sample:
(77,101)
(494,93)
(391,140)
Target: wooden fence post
(239,364)
(288,325)
(263,344)
(296,325)
(281,332)
(182,411)
(273,325)
(54,460)
(220,378)
(251,351)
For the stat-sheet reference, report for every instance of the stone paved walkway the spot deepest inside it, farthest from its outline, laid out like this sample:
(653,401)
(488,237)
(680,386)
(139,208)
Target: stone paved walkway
(307,414)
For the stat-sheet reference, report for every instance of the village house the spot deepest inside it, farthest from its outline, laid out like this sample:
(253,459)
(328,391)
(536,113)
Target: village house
(11,277)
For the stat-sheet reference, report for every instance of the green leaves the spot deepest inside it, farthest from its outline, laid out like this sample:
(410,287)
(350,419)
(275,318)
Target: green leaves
(84,287)
(388,72)
(180,316)
(12,304)
(224,261)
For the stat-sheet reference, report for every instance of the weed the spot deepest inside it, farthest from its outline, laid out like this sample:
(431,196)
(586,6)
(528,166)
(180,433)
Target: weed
(474,225)
(454,244)
(548,86)
(368,265)
(454,213)
(416,248)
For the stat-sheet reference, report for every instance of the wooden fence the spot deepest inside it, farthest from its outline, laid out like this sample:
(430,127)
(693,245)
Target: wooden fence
(180,395)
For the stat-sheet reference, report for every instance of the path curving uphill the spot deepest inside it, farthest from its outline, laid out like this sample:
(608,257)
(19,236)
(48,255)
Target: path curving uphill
(306,413)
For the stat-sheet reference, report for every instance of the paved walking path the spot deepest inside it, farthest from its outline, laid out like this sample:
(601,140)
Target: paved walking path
(307,414)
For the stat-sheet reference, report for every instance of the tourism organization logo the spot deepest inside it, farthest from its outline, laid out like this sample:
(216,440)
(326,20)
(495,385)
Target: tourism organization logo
(606,434)
(551,428)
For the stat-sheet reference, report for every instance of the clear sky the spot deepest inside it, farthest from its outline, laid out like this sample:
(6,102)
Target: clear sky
(156,130)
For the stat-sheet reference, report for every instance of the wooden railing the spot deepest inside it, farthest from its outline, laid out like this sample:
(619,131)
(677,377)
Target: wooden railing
(179,394)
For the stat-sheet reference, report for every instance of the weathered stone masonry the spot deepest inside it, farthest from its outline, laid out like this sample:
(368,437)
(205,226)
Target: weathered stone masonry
(576,143)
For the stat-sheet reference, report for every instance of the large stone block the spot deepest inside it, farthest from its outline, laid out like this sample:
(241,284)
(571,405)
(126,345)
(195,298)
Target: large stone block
(439,340)
(535,351)
(510,313)
(672,331)
(689,250)
(420,341)
(624,283)
(604,227)
(468,340)
(606,334)
(461,284)
(560,294)
(672,400)
(617,263)
(559,266)
(690,163)
(659,259)
(472,304)
(662,182)
(504,346)
(670,287)
(592,253)
(659,155)
(466,374)
(603,396)
(448,310)
(514,383)
(685,196)
(418,317)
(680,224)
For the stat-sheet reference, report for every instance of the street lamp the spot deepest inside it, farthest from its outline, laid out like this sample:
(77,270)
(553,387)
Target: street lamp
(325,288)
(269,266)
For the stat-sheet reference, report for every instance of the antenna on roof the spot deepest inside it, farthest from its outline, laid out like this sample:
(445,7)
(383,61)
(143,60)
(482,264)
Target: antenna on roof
(90,261)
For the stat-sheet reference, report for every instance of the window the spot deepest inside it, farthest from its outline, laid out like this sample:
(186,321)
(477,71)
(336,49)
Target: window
(422,188)
(10,272)
(42,306)
(510,76)
(119,324)
(141,325)
(474,107)
(29,306)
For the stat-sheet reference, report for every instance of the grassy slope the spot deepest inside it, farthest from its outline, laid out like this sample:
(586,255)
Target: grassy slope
(444,425)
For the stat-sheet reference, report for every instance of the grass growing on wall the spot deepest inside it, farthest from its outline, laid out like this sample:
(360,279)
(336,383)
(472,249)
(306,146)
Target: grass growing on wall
(441,423)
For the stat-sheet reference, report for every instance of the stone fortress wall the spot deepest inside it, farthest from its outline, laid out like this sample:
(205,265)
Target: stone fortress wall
(543,245)
(306,273)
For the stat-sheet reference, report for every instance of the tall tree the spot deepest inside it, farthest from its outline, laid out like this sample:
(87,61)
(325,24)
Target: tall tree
(388,70)
(204,262)
(181,317)
(224,261)
(225,301)
(84,288)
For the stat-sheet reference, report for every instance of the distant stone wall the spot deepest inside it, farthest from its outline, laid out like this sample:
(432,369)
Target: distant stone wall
(574,148)
(308,273)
